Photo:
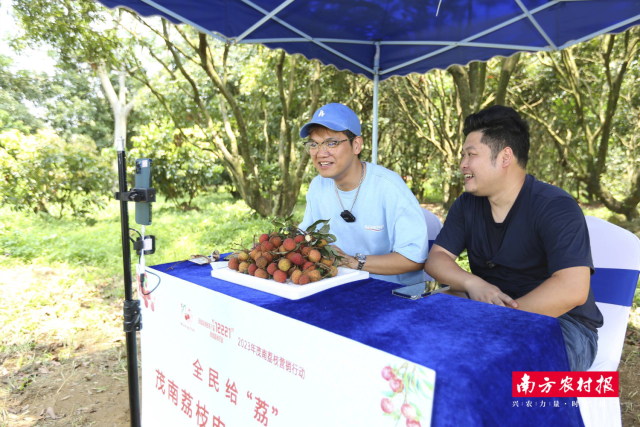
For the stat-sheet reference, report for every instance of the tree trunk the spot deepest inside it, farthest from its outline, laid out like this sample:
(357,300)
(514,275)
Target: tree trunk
(508,67)
(118,102)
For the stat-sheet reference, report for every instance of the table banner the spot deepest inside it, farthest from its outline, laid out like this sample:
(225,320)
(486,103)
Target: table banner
(212,360)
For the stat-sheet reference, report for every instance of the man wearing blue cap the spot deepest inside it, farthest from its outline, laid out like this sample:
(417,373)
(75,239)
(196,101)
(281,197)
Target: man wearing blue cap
(376,219)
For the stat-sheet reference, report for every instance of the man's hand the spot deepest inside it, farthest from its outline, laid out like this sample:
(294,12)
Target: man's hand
(347,260)
(441,265)
(388,264)
(486,292)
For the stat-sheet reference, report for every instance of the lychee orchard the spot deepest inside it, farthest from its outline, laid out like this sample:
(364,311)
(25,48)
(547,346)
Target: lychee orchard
(289,253)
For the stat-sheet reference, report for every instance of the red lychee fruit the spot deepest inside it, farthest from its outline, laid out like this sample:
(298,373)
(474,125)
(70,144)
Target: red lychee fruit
(243,256)
(304,280)
(411,423)
(306,250)
(387,373)
(289,255)
(234,264)
(314,256)
(334,271)
(396,385)
(263,238)
(308,266)
(255,254)
(409,411)
(261,274)
(387,405)
(252,269)
(280,276)
(314,275)
(272,268)
(289,244)
(299,238)
(276,241)
(284,264)
(267,246)
(282,249)
(295,276)
(262,262)
(327,262)
(268,256)
(297,259)
(292,270)
(242,268)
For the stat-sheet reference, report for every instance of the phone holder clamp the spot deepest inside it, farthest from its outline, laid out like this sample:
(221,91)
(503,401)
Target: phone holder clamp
(137,195)
(132,316)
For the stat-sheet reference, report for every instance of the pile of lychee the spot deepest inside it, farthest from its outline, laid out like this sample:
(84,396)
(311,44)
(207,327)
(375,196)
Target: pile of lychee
(296,255)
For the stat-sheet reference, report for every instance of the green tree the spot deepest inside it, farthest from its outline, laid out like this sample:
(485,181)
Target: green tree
(593,115)
(181,171)
(436,104)
(17,89)
(46,174)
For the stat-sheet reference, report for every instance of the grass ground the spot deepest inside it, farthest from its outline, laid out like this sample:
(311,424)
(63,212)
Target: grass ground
(62,357)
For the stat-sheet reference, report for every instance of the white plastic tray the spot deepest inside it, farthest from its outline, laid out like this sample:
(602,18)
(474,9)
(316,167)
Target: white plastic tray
(289,290)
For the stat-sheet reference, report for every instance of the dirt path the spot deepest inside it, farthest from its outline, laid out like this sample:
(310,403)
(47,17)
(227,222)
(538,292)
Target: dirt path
(63,363)
(62,359)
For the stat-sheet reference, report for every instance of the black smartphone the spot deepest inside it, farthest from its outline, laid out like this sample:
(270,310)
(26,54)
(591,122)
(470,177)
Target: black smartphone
(419,290)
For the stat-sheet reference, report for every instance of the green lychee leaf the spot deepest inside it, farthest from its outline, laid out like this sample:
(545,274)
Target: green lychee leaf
(324,229)
(313,226)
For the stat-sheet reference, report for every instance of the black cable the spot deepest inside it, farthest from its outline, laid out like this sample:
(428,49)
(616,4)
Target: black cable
(159,280)
(140,260)
(131,238)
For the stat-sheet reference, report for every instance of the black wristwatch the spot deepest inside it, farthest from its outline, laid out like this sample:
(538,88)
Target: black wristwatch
(361,260)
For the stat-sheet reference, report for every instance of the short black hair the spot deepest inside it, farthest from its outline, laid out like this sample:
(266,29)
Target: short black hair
(501,127)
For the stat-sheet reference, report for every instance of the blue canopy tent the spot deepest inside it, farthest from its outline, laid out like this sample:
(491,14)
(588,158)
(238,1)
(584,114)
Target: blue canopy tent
(380,39)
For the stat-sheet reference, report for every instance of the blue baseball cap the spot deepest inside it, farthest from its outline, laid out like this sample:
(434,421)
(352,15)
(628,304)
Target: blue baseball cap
(337,117)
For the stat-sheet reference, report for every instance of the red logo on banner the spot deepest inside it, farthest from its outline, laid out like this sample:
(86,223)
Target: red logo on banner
(565,384)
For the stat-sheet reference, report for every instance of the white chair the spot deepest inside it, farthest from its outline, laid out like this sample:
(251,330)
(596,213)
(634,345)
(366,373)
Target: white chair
(433,229)
(616,257)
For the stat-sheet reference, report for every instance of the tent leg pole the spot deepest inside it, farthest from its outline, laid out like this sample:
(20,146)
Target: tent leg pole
(130,330)
(376,83)
(374,133)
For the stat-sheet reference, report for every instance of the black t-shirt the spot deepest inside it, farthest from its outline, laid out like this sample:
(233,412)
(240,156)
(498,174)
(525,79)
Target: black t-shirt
(497,230)
(545,232)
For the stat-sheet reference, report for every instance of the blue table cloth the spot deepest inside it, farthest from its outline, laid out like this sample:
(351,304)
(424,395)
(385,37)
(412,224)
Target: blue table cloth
(472,346)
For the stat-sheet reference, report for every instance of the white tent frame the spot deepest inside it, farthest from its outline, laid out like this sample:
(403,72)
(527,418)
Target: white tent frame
(446,45)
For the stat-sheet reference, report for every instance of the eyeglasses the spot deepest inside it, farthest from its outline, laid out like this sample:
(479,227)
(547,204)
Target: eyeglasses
(330,146)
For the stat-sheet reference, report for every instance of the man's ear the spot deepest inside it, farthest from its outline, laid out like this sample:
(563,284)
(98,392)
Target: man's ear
(357,144)
(507,157)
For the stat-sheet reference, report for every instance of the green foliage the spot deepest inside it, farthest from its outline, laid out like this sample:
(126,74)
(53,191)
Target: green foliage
(221,223)
(74,105)
(180,170)
(15,89)
(43,173)
(70,27)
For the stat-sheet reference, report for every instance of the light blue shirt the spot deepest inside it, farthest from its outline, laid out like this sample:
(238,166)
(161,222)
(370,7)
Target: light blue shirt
(388,219)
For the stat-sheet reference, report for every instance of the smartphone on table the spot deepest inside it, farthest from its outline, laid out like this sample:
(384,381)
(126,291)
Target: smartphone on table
(419,290)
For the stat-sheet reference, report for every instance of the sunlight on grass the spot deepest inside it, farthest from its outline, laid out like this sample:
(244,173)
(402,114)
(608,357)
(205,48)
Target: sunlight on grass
(96,248)
(61,285)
